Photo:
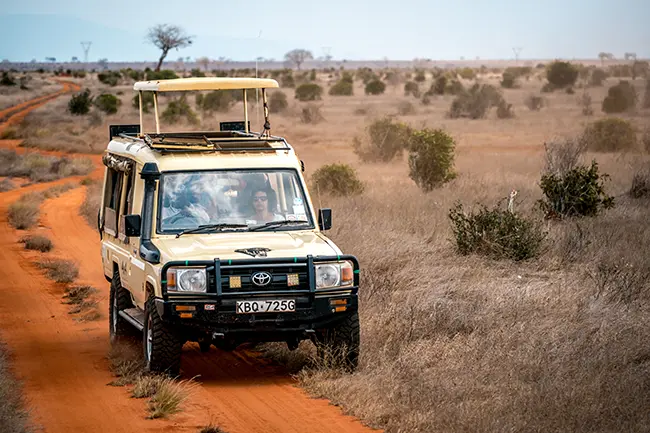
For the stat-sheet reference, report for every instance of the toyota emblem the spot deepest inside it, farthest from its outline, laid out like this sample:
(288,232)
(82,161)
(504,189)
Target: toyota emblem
(261,279)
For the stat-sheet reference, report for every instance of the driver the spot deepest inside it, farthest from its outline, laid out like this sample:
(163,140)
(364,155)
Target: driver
(190,213)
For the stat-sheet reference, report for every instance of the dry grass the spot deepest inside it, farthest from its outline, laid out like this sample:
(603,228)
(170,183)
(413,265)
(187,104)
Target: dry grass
(59,270)
(211,429)
(125,362)
(91,203)
(7,185)
(169,396)
(38,243)
(464,344)
(41,168)
(24,212)
(14,417)
(37,85)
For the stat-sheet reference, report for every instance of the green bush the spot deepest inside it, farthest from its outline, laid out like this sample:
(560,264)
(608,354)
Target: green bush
(610,135)
(495,233)
(419,77)
(7,80)
(165,74)
(107,103)
(342,88)
(620,98)
(80,103)
(309,92)
(411,88)
(387,139)
(134,74)
(278,102)
(597,78)
(337,179)
(561,74)
(196,72)
(147,101)
(440,85)
(375,87)
(431,158)
(475,102)
(217,100)
(366,75)
(577,192)
(505,110)
(110,78)
(178,108)
(454,87)
(288,81)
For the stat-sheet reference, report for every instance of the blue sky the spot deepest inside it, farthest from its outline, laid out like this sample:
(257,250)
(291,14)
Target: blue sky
(399,30)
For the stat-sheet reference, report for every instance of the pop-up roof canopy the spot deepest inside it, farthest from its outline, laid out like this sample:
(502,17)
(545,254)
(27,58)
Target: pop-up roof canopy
(206,83)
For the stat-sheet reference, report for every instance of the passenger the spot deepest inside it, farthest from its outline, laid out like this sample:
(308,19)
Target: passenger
(263,206)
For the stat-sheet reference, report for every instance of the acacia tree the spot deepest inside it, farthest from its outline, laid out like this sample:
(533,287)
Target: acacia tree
(298,56)
(203,61)
(167,36)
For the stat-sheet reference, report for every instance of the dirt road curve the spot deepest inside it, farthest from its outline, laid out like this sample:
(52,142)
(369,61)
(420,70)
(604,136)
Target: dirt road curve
(63,365)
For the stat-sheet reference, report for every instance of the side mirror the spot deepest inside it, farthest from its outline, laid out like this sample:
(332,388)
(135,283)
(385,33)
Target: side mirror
(325,219)
(132,225)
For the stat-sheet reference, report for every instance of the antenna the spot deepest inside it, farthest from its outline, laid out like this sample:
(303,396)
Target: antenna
(86,47)
(517,51)
(257,91)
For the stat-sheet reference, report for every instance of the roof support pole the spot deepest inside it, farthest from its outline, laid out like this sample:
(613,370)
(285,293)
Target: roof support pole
(140,105)
(155,110)
(245,113)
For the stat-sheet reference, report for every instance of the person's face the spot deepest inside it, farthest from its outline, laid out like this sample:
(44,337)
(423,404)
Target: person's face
(260,201)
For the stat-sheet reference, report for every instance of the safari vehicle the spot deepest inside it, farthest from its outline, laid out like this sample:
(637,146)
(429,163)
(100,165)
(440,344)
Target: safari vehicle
(211,237)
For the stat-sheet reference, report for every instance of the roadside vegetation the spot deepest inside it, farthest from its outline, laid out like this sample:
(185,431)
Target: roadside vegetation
(41,168)
(24,212)
(14,415)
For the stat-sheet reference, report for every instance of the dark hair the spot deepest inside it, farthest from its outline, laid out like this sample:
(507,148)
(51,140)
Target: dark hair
(272,200)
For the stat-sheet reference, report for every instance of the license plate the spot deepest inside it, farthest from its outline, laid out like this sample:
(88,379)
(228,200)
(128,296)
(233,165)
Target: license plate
(267,306)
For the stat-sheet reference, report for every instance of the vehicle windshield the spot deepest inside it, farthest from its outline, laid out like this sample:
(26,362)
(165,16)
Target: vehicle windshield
(239,197)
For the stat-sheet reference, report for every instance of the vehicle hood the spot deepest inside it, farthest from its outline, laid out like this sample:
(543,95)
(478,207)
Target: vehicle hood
(223,245)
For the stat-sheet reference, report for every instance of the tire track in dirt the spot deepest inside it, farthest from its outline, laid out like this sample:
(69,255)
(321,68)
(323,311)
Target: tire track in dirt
(63,365)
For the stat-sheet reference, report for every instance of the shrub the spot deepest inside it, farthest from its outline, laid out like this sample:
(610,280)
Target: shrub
(80,103)
(309,92)
(645,139)
(197,73)
(495,233)
(509,81)
(288,81)
(597,78)
(337,179)
(467,73)
(375,87)
(505,110)
(37,242)
(454,87)
(405,108)
(419,77)
(561,74)
(7,80)
(585,101)
(79,73)
(311,114)
(217,100)
(168,398)
(387,139)
(547,88)
(640,187)
(620,98)
(278,102)
(342,88)
(475,102)
(59,270)
(6,185)
(165,74)
(610,135)
(431,158)
(134,74)
(177,109)
(23,213)
(147,101)
(107,103)
(534,102)
(411,88)
(578,192)
(646,95)
(439,85)
(110,78)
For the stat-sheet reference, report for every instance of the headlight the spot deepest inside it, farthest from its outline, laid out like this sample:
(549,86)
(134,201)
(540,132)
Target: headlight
(187,280)
(334,274)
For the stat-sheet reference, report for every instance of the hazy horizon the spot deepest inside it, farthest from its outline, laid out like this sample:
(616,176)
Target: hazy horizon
(35,29)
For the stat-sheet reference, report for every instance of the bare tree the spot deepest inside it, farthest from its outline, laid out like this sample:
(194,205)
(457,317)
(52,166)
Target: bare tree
(203,61)
(167,36)
(630,56)
(298,56)
(605,56)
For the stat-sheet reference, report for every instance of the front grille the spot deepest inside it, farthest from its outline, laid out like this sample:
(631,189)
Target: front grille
(278,274)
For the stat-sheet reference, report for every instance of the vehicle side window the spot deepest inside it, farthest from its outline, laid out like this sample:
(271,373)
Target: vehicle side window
(126,205)
(112,200)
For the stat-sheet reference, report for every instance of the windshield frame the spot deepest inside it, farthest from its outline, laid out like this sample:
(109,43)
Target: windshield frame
(300,182)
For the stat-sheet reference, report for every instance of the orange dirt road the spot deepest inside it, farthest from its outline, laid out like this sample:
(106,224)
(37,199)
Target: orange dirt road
(63,362)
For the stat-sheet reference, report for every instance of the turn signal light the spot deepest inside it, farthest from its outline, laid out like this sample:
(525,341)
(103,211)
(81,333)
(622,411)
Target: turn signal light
(186,315)
(185,308)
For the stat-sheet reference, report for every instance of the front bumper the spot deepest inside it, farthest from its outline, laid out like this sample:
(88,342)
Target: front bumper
(215,311)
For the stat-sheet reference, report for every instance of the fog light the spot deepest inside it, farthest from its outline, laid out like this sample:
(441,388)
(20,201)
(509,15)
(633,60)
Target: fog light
(293,280)
(235,282)
(185,308)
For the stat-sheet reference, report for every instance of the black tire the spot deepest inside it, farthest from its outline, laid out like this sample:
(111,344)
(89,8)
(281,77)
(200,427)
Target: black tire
(344,337)
(119,299)
(162,347)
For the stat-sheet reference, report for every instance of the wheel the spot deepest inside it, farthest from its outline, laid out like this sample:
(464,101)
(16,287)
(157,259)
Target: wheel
(340,345)
(162,347)
(119,299)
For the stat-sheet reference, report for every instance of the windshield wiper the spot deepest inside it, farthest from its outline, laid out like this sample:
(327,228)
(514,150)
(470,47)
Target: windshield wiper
(206,227)
(278,223)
